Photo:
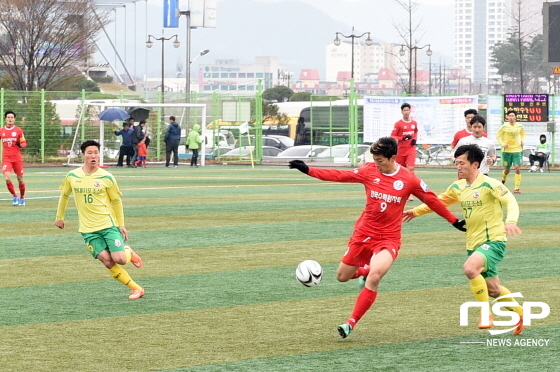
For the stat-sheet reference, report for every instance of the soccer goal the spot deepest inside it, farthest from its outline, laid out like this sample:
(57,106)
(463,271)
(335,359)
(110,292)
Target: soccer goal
(90,127)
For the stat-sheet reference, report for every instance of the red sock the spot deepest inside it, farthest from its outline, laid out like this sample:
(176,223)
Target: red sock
(11,189)
(362,271)
(22,189)
(365,300)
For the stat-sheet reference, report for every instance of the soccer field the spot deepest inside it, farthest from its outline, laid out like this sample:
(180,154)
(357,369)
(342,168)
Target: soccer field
(220,245)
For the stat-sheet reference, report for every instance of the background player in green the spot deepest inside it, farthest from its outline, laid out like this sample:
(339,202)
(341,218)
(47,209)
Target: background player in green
(101,216)
(481,199)
(511,137)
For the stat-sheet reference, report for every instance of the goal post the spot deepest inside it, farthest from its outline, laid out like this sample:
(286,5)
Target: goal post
(187,114)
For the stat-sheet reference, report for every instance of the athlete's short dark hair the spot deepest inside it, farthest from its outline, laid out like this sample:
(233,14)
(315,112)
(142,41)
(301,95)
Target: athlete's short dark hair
(470,111)
(405,105)
(89,143)
(9,112)
(384,146)
(474,153)
(478,119)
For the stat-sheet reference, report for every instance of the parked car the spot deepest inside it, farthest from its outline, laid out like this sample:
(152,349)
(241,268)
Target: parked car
(269,152)
(281,142)
(304,152)
(341,153)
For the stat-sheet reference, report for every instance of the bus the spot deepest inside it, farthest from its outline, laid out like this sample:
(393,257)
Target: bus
(327,125)
(269,127)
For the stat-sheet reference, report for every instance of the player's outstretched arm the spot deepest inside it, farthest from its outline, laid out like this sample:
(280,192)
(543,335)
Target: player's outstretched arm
(299,165)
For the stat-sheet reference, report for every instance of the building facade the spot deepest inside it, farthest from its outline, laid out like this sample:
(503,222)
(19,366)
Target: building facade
(229,75)
(480,24)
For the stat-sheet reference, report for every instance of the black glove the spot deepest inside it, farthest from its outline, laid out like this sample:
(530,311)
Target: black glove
(406,138)
(413,142)
(299,165)
(460,225)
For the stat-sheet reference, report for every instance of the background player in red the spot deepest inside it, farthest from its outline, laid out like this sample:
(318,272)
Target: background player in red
(376,240)
(13,141)
(405,132)
(469,114)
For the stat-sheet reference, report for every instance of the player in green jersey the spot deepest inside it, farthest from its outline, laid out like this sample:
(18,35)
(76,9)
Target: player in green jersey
(481,199)
(101,216)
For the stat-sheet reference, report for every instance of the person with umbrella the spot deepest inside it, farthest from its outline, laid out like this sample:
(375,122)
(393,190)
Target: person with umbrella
(126,145)
(137,136)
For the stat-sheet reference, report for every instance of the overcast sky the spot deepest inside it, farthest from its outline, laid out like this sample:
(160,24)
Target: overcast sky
(253,23)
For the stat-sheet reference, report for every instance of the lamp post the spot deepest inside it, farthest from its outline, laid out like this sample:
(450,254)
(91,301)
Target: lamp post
(369,42)
(150,44)
(187,14)
(410,67)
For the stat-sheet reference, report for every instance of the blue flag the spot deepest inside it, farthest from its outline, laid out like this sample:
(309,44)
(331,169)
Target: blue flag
(170,16)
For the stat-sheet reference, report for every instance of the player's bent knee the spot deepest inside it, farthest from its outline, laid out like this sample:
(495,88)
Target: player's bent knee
(343,277)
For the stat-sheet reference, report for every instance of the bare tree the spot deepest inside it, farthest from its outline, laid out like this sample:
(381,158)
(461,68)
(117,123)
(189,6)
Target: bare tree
(522,36)
(46,41)
(407,31)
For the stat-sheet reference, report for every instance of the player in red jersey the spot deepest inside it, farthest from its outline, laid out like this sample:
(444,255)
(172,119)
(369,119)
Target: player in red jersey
(376,240)
(405,132)
(13,141)
(469,114)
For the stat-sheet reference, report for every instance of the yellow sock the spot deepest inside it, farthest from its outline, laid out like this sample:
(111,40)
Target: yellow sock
(517,181)
(122,276)
(128,254)
(504,291)
(504,176)
(479,288)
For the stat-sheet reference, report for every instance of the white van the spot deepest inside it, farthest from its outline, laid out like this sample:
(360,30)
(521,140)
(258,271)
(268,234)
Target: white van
(222,139)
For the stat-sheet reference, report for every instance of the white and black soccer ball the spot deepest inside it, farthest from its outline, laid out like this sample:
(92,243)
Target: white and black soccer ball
(309,273)
(533,168)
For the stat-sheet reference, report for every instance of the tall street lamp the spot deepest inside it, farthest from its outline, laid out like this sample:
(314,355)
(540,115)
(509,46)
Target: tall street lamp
(150,44)
(411,67)
(369,42)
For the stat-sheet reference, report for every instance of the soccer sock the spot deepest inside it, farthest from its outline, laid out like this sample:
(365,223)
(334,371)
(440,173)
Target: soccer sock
(479,288)
(362,271)
(517,181)
(122,276)
(365,300)
(22,189)
(504,176)
(11,189)
(504,291)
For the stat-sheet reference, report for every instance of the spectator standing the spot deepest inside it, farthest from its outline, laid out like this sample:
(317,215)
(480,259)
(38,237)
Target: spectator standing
(142,153)
(171,139)
(126,145)
(193,143)
(137,136)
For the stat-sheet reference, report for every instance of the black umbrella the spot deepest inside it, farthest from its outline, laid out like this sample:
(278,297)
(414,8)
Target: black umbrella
(138,113)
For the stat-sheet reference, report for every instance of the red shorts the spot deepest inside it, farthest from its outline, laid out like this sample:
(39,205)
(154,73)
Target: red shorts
(362,248)
(407,159)
(15,166)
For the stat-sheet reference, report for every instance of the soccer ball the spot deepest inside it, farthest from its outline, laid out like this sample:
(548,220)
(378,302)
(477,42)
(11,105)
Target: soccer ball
(533,168)
(309,273)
